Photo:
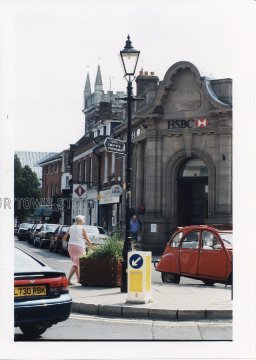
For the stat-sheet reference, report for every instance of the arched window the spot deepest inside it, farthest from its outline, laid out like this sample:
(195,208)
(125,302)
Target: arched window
(192,168)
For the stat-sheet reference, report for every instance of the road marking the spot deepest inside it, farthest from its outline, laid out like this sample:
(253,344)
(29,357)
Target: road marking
(159,322)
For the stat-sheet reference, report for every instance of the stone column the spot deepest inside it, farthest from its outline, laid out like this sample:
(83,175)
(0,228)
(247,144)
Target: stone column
(224,172)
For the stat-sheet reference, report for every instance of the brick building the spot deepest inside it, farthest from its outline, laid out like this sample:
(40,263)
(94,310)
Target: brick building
(56,189)
(94,170)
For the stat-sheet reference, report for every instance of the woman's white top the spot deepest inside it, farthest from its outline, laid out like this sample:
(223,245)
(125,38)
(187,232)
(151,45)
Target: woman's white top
(76,235)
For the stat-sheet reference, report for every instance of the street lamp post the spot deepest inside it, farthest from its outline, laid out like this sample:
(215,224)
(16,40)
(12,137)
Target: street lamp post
(90,203)
(129,57)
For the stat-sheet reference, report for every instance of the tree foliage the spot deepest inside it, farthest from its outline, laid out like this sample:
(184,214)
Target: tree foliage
(26,186)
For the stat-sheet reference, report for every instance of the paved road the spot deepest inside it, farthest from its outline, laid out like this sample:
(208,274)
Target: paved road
(63,263)
(82,328)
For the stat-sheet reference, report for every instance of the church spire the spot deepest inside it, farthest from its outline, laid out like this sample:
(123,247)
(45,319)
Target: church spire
(98,82)
(87,88)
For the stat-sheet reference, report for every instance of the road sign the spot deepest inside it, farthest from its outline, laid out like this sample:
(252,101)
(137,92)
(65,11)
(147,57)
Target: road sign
(139,277)
(136,261)
(114,145)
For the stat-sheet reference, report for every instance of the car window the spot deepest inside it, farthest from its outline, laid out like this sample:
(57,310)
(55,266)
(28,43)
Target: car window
(227,239)
(64,229)
(191,240)
(101,230)
(39,227)
(51,228)
(25,226)
(25,263)
(175,242)
(210,241)
(92,230)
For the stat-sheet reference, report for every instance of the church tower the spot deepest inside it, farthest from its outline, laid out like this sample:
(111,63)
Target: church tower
(99,106)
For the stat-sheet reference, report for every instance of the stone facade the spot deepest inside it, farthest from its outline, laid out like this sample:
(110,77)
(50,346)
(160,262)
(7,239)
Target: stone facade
(183,125)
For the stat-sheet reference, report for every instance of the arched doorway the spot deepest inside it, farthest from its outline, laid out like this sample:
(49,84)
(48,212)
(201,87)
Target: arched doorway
(192,192)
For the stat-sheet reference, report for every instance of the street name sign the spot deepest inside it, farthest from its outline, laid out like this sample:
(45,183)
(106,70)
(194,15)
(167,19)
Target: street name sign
(114,145)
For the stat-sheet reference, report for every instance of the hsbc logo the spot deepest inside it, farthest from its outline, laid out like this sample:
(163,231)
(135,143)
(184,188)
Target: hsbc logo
(191,123)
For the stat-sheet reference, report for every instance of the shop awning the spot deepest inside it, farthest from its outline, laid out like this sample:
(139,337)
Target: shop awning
(42,212)
(47,212)
(38,212)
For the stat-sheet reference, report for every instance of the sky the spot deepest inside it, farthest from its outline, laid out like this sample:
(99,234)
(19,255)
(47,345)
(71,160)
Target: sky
(51,45)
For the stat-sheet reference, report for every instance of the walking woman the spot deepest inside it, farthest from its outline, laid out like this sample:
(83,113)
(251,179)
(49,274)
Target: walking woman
(78,239)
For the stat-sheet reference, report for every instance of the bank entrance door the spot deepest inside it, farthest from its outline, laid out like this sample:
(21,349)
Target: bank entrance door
(192,193)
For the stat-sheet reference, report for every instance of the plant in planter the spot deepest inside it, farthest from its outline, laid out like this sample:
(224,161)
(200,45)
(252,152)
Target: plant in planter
(102,265)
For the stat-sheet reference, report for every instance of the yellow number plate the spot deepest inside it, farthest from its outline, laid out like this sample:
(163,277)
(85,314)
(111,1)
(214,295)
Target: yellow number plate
(29,291)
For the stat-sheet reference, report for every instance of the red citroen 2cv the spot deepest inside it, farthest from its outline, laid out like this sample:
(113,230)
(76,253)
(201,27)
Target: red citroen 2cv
(199,252)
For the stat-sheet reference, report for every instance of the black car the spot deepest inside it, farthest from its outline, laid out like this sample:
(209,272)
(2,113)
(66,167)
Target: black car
(56,239)
(42,239)
(33,231)
(24,231)
(41,295)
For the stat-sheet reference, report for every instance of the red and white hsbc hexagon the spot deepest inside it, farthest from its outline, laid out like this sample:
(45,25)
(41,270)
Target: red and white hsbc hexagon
(201,122)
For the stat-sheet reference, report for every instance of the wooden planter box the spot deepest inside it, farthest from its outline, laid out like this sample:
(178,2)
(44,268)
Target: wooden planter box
(100,272)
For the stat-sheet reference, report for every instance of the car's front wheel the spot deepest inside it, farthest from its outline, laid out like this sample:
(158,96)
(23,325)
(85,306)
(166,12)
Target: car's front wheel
(34,330)
(170,278)
(209,282)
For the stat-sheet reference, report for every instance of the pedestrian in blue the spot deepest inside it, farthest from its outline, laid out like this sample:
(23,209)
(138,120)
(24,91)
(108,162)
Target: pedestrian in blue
(134,227)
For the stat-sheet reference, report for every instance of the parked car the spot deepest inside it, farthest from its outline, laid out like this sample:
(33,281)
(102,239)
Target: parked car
(42,238)
(96,234)
(56,239)
(24,231)
(199,252)
(33,231)
(41,295)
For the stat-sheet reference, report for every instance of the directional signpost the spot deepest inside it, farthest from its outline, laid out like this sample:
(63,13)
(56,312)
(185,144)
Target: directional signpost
(114,145)
(139,277)
(136,261)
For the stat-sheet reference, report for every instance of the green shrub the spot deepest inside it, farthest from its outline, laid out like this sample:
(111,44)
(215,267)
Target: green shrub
(111,249)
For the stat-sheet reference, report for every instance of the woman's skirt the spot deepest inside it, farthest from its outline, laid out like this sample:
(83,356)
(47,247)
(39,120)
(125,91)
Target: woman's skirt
(75,252)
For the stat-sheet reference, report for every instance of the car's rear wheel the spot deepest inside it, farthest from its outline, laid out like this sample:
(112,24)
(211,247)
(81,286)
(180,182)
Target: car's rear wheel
(170,278)
(209,282)
(34,330)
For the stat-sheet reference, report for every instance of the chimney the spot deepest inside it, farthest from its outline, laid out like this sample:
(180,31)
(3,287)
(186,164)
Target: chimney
(146,82)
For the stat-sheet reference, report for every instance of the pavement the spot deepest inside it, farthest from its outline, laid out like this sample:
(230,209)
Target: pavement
(172,302)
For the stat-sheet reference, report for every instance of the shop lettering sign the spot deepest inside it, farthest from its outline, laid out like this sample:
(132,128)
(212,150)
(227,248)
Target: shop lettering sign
(191,123)
(117,190)
(106,197)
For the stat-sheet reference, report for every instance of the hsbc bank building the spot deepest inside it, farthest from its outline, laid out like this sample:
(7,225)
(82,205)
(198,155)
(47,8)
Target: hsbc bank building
(182,151)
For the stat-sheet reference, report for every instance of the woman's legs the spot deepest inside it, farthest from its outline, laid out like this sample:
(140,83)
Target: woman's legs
(74,270)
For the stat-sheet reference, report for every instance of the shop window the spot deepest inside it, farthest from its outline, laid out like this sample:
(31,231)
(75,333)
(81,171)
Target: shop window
(79,172)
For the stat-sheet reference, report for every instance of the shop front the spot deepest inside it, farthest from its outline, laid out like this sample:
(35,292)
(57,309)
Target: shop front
(110,209)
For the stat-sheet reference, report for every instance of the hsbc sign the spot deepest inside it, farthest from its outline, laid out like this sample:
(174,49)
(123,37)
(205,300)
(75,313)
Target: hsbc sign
(191,123)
